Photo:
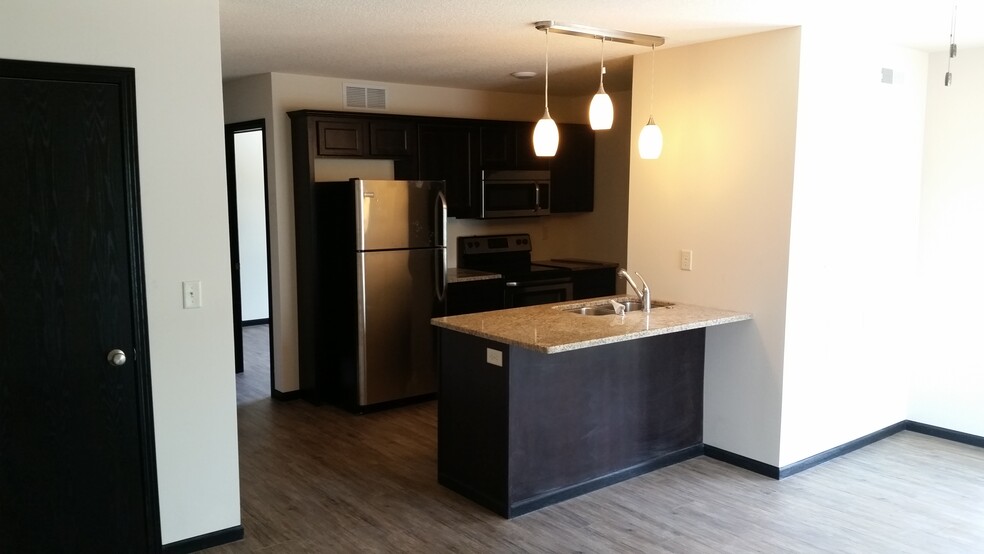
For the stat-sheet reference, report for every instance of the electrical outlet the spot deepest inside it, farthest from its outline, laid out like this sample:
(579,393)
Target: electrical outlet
(493,356)
(687,260)
(192,292)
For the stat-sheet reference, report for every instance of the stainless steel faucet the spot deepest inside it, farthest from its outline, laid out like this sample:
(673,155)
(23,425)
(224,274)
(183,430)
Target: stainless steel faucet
(644,295)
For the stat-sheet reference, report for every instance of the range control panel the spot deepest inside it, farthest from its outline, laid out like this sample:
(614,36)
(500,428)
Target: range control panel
(493,244)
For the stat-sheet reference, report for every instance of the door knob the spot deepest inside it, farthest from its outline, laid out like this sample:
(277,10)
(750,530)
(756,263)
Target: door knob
(116,357)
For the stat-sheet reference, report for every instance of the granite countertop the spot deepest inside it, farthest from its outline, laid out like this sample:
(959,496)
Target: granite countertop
(549,329)
(461,275)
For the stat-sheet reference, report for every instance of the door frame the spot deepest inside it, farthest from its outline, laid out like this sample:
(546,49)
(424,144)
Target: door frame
(231,130)
(122,77)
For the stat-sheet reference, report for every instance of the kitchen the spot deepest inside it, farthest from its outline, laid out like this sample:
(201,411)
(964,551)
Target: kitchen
(724,204)
(728,198)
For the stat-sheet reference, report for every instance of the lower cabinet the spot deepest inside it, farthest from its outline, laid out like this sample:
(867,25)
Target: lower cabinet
(592,283)
(474,296)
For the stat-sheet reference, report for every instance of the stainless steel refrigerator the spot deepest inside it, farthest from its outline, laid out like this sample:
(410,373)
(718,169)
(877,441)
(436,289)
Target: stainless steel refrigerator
(382,248)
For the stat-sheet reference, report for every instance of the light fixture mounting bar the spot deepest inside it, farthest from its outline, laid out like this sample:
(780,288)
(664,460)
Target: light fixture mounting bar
(595,32)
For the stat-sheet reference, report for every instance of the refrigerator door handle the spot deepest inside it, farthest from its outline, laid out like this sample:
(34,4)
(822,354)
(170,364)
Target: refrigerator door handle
(441,274)
(441,217)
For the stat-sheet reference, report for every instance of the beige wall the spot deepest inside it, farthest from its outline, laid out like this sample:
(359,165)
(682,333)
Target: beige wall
(174,48)
(556,236)
(948,383)
(722,188)
(797,178)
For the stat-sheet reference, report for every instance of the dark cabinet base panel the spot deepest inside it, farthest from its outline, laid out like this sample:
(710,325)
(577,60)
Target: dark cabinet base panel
(542,428)
(566,493)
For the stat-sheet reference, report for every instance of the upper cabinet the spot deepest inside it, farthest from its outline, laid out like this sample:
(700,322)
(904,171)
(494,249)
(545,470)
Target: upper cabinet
(392,138)
(572,170)
(342,138)
(508,145)
(362,137)
(454,150)
(445,152)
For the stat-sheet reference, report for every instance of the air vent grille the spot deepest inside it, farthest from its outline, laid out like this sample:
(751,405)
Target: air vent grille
(365,97)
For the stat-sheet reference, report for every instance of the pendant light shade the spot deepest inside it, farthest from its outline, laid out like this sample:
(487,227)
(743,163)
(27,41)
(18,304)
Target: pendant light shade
(601,113)
(650,141)
(651,137)
(546,137)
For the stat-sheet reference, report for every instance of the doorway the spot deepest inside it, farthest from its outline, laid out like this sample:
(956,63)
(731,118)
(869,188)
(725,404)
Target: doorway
(77,470)
(249,232)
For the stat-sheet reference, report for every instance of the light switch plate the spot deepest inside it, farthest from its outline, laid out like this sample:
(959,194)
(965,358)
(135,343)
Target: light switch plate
(192,293)
(493,356)
(687,260)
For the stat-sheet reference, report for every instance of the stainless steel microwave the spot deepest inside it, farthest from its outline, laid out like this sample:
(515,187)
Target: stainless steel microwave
(514,193)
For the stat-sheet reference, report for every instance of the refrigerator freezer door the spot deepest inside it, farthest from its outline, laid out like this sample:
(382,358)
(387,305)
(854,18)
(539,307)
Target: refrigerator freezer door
(399,214)
(401,290)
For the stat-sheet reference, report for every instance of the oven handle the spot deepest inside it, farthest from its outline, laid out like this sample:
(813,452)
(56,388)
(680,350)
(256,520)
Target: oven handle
(539,282)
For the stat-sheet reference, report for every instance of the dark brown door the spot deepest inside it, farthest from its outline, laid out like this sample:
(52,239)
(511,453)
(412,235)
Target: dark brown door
(77,470)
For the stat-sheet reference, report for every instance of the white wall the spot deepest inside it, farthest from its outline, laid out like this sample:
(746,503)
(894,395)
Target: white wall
(850,304)
(274,95)
(174,47)
(251,223)
(948,387)
(722,188)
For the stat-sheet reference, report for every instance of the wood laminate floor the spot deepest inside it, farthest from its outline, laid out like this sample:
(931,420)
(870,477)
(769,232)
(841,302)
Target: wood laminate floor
(317,479)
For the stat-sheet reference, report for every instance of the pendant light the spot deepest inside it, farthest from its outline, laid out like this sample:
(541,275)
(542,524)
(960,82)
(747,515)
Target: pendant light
(601,113)
(651,137)
(545,135)
(953,48)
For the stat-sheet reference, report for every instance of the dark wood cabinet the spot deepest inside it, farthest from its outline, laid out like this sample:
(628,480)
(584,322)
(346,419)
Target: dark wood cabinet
(539,428)
(344,138)
(572,170)
(508,145)
(444,152)
(592,283)
(349,137)
(468,297)
(453,150)
(392,138)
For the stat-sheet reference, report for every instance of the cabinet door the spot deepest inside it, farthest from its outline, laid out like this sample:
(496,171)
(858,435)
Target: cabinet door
(509,145)
(346,138)
(572,170)
(445,153)
(526,157)
(497,145)
(392,138)
(592,283)
(474,296)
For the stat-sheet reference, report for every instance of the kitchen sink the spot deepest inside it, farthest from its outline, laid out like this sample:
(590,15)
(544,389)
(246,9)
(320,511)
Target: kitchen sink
(592,310)
(608,309)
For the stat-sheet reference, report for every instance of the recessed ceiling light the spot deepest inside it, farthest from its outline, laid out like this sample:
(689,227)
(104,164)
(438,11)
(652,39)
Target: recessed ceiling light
(523,74)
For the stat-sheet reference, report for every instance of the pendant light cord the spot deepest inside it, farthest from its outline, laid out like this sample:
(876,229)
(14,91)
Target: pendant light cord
(546,76)
(652,82)
(601,82)
(953,47)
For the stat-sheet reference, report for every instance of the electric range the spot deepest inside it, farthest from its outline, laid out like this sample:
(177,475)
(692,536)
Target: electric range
(526,283)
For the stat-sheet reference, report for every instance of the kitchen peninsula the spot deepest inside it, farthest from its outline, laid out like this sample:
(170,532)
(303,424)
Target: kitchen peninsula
(540,404)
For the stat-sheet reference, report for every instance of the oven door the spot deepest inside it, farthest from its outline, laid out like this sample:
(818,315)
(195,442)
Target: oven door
(531,293)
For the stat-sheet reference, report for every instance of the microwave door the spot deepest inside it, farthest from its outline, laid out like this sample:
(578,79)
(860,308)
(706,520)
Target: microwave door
(510,199)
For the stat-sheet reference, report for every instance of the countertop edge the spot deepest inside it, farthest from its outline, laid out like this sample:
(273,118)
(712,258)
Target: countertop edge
(546,316)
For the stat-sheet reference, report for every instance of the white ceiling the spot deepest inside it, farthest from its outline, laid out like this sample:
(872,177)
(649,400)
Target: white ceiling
(476,44)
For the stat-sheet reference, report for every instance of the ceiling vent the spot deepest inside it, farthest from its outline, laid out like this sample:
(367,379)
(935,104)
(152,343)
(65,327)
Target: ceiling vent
(365,97)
